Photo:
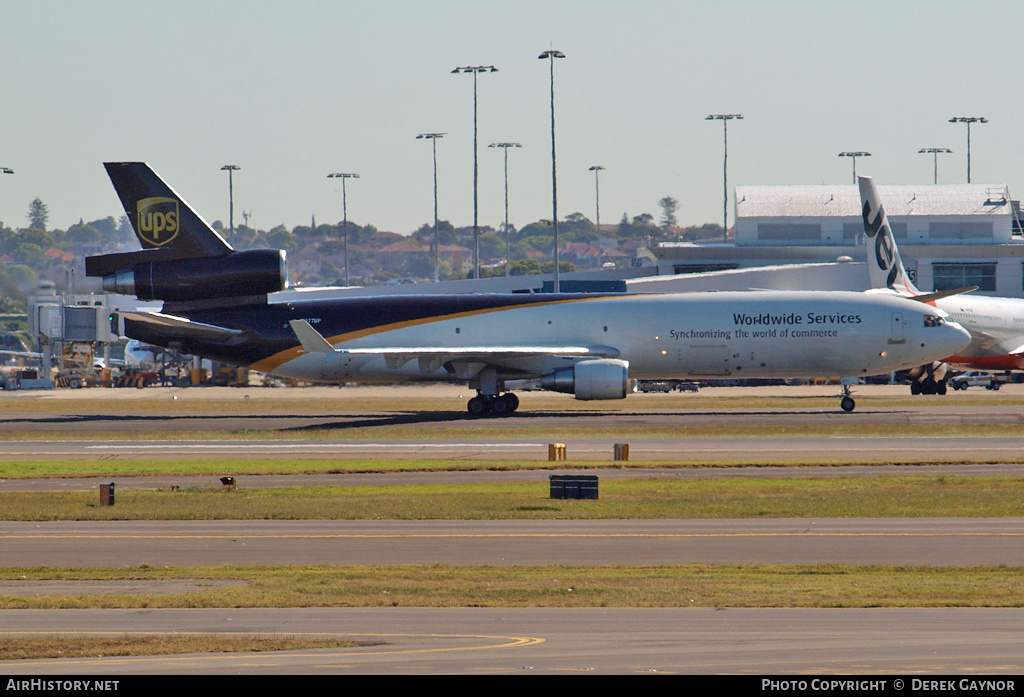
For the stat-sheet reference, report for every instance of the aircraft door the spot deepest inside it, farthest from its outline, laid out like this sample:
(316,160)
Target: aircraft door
(897,329)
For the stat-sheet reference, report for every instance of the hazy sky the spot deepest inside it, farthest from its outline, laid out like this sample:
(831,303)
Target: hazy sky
(291,91)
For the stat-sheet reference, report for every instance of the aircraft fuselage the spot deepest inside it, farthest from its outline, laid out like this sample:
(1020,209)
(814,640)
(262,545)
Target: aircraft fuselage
(771,334)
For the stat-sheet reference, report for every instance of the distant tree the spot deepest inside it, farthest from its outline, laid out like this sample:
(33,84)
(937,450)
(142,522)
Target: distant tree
(125,231)
(83,234)
(38,214)
(445,233)
(563,267)
(524,267)
(281,238)
(668,212)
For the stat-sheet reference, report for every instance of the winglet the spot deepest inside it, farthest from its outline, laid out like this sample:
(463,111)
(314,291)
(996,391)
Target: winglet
(312,340)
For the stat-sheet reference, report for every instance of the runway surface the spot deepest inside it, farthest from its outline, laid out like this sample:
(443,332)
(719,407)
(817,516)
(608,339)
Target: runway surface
(753,449)
(923,541)
(525,641)
(809,644)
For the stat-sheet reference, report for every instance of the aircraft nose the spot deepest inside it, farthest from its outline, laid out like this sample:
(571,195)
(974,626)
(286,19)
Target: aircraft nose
(954,337)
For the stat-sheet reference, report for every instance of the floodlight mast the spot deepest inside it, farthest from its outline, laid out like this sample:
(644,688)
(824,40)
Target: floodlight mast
(551,55)
(725,119)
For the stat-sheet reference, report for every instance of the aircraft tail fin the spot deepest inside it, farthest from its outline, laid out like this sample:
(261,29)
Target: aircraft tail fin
(161,218)
(183,259)
(884,262)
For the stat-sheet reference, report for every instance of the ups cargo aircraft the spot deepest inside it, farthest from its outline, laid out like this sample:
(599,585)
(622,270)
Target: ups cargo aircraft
(996,324)
(218,304)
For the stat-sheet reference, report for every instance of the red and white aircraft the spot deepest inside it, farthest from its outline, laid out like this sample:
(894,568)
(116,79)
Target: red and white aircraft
(996,324)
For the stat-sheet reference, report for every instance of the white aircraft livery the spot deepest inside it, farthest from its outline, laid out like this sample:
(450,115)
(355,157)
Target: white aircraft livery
(218,304)
(996,324)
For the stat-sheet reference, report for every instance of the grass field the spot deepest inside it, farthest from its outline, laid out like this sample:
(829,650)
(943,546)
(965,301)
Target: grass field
(647,499)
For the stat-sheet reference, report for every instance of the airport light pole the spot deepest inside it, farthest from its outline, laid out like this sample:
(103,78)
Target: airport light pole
(432,137)
(231,169)
(344,209)
(475,70)
(935,153)
(508,243)
(968,120)
(6,170)
(853,156)
(551,55)
(725,119)
(596,169)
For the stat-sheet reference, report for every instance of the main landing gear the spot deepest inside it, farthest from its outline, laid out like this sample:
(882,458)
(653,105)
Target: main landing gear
(493,405)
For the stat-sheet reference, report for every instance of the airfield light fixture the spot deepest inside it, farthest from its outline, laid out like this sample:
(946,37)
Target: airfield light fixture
(231,169)
(725,119)
(475,70)
(968,120)
(508,243)
(551,55)
(344,208)
(853,155)
(432,137)
(934,152)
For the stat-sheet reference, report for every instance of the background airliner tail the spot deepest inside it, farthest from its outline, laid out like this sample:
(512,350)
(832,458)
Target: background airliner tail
(884,262)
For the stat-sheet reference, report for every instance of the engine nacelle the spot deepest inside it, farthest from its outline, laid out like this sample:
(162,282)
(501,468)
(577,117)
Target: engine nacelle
(251,272)
(604,378)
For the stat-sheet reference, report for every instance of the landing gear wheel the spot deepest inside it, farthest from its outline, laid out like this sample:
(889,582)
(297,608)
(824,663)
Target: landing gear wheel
(847,404)
(505,404)
(479,406)
(513,400)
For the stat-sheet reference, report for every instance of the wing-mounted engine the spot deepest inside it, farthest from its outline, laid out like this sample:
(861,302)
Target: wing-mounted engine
(591,379)
(238,273)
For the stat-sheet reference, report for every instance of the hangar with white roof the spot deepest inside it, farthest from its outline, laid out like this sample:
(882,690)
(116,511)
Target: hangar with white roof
(949,236)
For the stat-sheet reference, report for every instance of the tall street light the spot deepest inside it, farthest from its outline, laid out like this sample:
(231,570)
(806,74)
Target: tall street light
(344,208)
(597,196)
(725,119)
(508,244)
(432,137)
(475,70)
(551,55)
(968,120)
(853,156)
(231,198)
(935,153)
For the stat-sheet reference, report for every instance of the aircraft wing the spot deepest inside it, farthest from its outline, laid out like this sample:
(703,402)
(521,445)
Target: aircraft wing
(435,356)
(21,354)
(181,326)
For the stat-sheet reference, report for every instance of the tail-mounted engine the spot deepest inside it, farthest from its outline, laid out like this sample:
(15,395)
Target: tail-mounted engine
(245,273)
(605,378)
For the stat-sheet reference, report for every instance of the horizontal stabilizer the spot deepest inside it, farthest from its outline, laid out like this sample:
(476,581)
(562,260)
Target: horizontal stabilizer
(939,295)
(181,327)
(312,341)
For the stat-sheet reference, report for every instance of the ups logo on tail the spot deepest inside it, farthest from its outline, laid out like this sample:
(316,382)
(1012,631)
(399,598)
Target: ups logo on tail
(158,220)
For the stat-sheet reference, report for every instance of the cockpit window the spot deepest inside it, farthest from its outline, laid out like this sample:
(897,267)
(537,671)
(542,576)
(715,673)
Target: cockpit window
(934,321)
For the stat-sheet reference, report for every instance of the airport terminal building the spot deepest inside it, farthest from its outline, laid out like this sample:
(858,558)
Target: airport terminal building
(949,236)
